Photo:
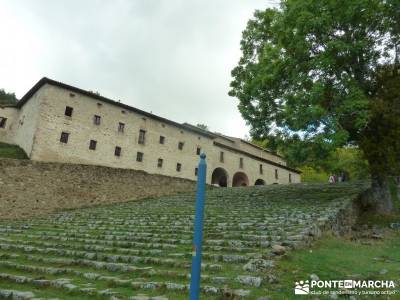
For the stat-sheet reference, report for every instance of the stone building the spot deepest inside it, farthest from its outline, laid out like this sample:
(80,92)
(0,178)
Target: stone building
(56,122)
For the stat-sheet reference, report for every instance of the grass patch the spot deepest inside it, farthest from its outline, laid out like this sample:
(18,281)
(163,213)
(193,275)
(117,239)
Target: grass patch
(12,151)
(337,258)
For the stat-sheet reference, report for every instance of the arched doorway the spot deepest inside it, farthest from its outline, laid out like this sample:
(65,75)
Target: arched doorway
(240,179)
(259,182)
(219,177)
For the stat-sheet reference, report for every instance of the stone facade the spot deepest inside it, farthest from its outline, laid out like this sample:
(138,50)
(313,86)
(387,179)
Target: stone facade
(39,119)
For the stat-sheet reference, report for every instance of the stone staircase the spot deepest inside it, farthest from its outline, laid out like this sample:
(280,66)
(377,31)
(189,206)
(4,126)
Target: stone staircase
(142,249)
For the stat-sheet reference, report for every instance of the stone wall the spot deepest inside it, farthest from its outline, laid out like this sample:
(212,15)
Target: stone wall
(29,188)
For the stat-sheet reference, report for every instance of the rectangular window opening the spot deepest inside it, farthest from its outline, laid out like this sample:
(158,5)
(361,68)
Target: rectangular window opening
(92,145)
(241,163)
(159,163)
(139,156)
(162,139)
(3,122)
(68,111)
(96,120)
(290,178)
(142,136)
(261,169)
(276,174)
(64,137)
(198,150)
(117,151)
(180,145)
(121,127)
(178,167)
(221,156)
(196,171)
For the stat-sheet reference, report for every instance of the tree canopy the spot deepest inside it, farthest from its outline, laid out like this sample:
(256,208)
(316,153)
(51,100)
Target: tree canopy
(7,98)
(324,74)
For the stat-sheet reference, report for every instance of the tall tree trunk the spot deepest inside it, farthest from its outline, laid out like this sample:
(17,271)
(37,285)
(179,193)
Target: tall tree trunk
(378,197)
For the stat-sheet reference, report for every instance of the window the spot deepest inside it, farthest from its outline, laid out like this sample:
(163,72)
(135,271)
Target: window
(178,167)
(121,127)
(159,163)
(221,156)
(92,145)
(3,122)
(261,169)
(290,178)
(276,174)
(198,150)
(64,137)
(142,134)
(117,151)
(139,156)
(96,120)
(196,171)
(68,111)
(180,145)
(162,139)
(241,162)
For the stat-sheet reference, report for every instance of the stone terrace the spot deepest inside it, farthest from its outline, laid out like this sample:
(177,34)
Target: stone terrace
(142,249)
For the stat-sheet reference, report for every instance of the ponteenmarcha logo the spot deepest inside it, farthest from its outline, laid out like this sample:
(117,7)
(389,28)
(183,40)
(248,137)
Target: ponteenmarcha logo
(353,287)
(302,288)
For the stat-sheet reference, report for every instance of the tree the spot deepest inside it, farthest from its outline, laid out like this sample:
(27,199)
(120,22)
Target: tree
(327,73)
(202,126)
(7,98)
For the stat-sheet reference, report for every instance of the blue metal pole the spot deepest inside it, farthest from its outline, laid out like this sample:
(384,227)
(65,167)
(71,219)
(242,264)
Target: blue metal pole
(198,229)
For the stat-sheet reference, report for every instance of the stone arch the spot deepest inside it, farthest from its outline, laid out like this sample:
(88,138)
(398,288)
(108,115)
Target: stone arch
(219,177)
(259,181)
(240,179)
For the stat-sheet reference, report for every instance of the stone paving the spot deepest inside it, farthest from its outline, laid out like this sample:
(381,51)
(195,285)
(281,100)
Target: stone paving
(142,250)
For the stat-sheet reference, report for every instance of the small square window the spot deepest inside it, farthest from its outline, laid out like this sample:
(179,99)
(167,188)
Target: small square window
(117,151)
(96,120)
(241,163)
(261,169)
(159,163)
(196,171)
(92,145)
(64,137)
(221,156)
(276,174)
(139,156)
(68,111)
(198,150)
(178,167)
(121,127)
(162,139)
(180,145)
(142,136)
(3,122)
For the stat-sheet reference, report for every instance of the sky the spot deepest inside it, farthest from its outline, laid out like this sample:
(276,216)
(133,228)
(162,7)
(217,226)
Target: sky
(169,57)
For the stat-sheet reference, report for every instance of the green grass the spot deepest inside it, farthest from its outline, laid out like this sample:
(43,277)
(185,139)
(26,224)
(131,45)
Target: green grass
(12,151)
(337,258)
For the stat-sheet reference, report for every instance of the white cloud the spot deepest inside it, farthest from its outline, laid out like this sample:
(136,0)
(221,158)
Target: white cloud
(170,57)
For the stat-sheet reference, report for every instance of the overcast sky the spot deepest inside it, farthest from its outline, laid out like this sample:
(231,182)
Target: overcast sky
(170,57)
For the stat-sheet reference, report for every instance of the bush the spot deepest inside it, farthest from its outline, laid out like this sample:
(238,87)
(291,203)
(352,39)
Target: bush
(12,151)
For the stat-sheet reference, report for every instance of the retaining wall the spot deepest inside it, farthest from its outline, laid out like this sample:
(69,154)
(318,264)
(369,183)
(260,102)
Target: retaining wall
(29,188)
